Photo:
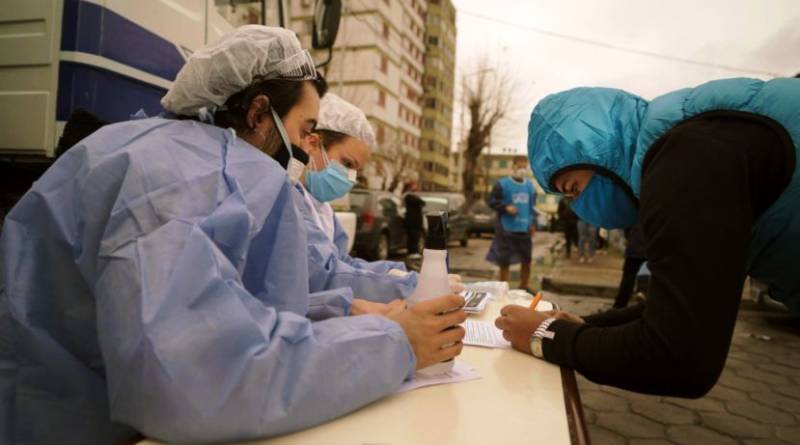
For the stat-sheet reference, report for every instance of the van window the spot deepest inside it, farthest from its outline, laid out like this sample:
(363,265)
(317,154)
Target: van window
(241,12)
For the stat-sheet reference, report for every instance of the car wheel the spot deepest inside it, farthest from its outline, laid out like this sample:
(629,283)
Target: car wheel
(382,249)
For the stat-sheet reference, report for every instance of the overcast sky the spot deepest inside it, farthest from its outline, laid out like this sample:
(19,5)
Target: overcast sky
(760,38)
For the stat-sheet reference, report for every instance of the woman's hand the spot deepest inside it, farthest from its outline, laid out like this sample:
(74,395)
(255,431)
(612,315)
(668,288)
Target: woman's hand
(363,307)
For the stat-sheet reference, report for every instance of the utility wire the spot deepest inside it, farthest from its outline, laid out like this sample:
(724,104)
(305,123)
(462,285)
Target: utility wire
(620,48)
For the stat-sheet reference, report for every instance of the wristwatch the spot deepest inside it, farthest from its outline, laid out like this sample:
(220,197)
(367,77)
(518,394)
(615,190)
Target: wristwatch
(541,333)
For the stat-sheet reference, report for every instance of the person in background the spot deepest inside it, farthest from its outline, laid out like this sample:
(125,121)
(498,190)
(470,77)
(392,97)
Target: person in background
(514,199)
(587,241)
(569,224)
(413,218)
(712,174)
(155,279)
(634,258)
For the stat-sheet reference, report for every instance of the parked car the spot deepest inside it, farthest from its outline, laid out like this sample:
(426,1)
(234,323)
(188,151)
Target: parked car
(482,219)
(379,227)
(458,222)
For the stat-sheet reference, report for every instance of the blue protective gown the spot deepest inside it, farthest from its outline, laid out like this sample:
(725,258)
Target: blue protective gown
(613,130)
(329,268)
(340,239)
(155,278)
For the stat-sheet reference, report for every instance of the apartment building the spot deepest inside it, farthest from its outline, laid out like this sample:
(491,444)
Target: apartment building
(438,84)
(378,64)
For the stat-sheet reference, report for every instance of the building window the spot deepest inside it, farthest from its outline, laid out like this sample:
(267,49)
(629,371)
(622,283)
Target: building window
(380,136)
(385,30)
(384,65)
(241,13)
(381,98)
(502,163)
(433,40)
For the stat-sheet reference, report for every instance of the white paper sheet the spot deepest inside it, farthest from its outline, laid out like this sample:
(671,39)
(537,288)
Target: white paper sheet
(485,334)
(461,372)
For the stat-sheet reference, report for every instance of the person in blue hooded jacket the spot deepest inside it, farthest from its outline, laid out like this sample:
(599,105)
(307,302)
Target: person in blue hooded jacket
(155,279)
(711,172)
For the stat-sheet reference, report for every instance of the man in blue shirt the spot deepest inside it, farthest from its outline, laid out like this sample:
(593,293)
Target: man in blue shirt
(513,198)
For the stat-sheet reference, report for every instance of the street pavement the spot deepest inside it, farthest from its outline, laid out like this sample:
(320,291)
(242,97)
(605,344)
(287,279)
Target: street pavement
(756,400)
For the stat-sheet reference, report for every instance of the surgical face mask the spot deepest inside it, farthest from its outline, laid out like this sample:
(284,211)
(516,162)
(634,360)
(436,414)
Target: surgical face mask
(603,203)
(294,166)
(520,172)
(282,155)
(332,182)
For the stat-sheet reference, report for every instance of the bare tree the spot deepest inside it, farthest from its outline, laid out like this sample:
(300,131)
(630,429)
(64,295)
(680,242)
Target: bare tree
(487,101)
(394,163)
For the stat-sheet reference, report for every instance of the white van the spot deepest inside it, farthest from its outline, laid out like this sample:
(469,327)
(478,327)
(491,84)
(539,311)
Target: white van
(110,57)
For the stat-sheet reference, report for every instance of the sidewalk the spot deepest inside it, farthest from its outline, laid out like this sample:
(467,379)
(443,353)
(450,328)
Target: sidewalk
(600,278)
(470,262)
(550,269)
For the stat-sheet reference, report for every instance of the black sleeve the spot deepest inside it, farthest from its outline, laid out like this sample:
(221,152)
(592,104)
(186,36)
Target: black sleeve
(615,317)
(495,199)
(696,214)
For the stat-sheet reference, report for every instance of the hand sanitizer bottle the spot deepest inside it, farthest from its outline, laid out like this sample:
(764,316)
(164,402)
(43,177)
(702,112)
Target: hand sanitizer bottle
(432,282)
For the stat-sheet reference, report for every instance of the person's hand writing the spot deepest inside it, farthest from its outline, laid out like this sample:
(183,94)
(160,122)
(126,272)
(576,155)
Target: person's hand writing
(432,329)
(518,324)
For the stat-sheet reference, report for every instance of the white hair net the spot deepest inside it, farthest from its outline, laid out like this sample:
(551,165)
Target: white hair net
(337,114)
(220,70)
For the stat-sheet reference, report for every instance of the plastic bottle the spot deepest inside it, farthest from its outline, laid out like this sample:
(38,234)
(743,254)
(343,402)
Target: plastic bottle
(432,282)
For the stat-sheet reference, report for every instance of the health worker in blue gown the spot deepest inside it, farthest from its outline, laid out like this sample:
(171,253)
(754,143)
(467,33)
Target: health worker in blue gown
(154,281)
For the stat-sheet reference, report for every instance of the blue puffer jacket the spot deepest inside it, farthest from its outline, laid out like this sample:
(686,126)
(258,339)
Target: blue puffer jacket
(612,130)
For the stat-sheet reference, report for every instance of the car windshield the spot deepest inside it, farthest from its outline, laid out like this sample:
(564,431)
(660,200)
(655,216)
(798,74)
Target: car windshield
(435,204)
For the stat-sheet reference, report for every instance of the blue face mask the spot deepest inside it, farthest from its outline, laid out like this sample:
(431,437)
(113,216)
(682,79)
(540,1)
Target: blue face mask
(332,182)
(605,204)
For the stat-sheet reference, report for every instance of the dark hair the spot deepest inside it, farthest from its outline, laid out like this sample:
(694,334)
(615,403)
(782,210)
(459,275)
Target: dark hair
(520,158)
(283,95)
(321,85)
(330,137)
